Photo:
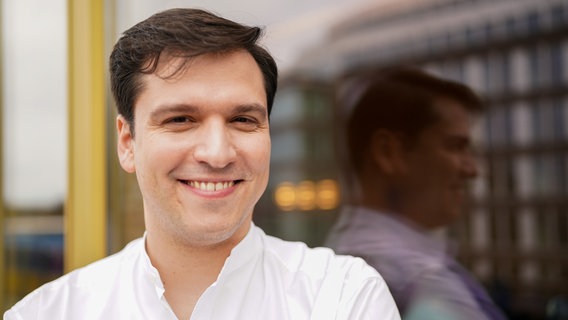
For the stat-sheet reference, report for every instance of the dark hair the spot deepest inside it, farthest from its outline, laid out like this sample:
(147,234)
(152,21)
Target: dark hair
(400,99)
(185,33)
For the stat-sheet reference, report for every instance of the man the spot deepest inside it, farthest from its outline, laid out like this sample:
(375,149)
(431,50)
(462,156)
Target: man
(409,140)
(194,92)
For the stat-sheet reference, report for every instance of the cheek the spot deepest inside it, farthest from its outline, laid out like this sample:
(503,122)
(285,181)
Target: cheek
(156,155)
(258,155)
(439,164)
(452,164)
(264,150)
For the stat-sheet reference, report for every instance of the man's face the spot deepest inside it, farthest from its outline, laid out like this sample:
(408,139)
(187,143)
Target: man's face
(438,166)
(201,149)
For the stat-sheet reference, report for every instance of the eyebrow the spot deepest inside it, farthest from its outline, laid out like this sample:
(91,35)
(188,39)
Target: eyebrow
(455,138)
(187,108)
(255,108)
(171,108)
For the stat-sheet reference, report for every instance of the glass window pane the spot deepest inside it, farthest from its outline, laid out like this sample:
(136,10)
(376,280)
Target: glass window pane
(34,79)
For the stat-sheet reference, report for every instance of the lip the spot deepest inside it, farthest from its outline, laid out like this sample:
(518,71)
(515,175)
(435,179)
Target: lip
(459,192)
(211,188)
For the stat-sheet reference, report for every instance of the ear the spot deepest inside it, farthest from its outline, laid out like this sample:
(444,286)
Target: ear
(387,151)
(125,145)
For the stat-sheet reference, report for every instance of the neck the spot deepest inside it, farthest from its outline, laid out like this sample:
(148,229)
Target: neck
(390,200)
(169,257)
(376,196)
(186,271)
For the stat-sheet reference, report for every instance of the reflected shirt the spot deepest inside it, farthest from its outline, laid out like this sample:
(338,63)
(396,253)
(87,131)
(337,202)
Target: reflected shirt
(263,278)
(426,282)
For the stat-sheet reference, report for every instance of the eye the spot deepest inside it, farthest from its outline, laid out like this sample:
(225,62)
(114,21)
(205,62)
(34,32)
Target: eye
(460,146)
(245,123)
(178,123)
(179,119)
(244,120)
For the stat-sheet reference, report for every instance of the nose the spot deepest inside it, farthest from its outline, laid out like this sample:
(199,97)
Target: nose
(214,145)
(470,166)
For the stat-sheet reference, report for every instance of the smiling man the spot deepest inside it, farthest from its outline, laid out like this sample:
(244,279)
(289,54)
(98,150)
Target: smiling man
(409,145)
(194,93)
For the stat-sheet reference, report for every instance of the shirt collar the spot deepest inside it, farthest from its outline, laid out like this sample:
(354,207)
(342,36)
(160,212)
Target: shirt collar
(150,271)
(385,223)
(245,250)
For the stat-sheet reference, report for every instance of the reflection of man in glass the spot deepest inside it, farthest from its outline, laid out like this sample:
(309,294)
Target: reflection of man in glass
(194,92)
(409,144)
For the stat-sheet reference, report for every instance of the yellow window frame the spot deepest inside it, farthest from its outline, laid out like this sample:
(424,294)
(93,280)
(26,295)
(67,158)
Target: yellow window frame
(86,205)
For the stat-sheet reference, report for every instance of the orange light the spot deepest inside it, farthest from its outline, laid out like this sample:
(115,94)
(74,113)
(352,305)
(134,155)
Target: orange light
(285,196)
(306,195)
(327,194)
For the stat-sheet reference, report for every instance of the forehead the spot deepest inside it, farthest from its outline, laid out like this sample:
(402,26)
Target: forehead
(208,79)
(450,113)
(452,119)
(175,65)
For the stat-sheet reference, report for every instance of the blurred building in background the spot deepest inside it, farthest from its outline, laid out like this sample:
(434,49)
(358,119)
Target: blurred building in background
(514,53)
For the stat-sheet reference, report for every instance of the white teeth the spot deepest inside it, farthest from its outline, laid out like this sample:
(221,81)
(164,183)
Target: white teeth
(211,186)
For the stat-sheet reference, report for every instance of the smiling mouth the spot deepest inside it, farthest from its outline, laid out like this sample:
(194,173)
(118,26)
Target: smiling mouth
(211,186)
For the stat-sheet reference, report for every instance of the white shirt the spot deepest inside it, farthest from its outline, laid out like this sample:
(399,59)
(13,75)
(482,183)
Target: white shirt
(263,278)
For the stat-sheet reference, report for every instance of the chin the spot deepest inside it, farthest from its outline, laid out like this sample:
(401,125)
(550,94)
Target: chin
(454,216)
(221,233)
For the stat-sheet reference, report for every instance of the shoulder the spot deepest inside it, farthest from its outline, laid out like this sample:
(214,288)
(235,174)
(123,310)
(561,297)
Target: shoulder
(76,287)
(315,263)
(396,249)
(340,284)
(359,228)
